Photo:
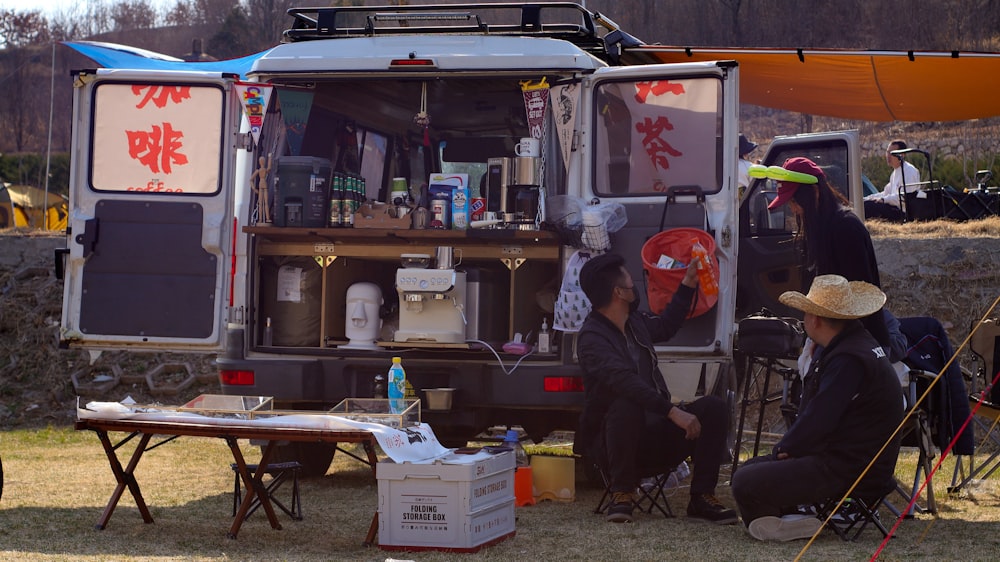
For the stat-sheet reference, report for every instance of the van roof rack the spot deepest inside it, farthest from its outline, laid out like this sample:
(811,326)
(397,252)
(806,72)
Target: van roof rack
(558,20)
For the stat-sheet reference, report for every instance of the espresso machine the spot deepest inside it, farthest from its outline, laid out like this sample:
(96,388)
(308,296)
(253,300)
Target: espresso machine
(431,302)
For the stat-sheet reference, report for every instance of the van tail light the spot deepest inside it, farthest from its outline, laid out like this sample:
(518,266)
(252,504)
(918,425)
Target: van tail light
(236,377)
(412,63)
(563,384)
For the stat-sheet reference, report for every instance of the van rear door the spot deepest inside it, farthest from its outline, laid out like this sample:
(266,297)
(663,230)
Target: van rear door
(150,226)
(650,131)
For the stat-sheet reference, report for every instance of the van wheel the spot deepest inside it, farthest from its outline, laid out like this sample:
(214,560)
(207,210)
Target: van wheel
(315,458)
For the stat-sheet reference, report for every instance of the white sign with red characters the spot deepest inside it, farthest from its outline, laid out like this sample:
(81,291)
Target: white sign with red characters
(157,137)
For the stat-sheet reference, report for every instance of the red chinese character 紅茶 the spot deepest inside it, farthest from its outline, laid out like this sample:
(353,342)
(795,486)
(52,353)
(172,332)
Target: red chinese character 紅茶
(656,146)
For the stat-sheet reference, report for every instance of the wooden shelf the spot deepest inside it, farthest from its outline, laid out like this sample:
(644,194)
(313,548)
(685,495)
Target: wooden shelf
(403,236)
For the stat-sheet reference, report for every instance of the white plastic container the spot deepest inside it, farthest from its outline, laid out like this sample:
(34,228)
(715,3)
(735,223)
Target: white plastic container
(458,503)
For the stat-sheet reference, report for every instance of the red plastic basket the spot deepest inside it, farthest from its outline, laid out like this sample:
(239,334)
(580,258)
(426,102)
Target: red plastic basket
(661,284)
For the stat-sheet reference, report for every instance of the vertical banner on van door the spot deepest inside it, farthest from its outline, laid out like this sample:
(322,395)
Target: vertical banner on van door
(566,99)
(295,107)
(536,99)
(254,99)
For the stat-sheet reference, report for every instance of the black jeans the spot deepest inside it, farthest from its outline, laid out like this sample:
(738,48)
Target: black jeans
(880,210)
(641,443)
(766,486)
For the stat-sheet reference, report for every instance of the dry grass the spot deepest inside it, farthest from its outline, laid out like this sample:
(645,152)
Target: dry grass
(58,480)
(982,228)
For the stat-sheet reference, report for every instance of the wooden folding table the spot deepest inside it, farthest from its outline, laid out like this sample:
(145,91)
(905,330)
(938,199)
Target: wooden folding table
(145,430)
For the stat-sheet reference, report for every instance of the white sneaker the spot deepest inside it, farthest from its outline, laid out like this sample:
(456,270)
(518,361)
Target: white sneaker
(787,528)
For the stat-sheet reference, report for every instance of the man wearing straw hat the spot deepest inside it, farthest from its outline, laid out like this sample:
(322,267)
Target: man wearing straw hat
(851,404)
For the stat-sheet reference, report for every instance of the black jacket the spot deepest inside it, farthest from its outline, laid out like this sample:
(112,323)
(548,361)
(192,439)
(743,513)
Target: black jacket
(851,404)
(849,252)
(609,371)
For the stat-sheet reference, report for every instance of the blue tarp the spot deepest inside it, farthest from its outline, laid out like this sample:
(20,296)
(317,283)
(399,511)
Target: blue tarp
(113,55)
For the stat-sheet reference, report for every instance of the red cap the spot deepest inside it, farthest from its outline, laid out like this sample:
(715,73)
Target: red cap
(786,189)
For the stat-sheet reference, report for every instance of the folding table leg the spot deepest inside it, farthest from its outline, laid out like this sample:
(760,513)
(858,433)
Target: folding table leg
(369,446)
(125,478)
(254,485)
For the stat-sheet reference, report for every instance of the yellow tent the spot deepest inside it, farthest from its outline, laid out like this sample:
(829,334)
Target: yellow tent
(26,206)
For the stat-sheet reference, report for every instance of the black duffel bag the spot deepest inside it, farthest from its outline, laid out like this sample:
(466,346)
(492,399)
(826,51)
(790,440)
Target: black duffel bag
(767,335)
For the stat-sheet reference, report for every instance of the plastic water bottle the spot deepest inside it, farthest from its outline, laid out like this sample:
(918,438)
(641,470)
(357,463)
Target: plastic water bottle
(706,278)
(397,386)
(511,440)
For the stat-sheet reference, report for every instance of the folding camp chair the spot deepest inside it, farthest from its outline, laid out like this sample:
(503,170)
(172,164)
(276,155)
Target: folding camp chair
(918,432)
(651,495)
(859,510)
(985,345)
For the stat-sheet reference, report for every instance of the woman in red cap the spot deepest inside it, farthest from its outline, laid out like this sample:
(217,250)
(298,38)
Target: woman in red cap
(836,240)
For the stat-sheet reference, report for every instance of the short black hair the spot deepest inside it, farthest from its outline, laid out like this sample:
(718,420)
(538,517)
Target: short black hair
(600,276)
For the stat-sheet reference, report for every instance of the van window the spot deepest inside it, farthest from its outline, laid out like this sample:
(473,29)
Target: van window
(650,135)
(157,137)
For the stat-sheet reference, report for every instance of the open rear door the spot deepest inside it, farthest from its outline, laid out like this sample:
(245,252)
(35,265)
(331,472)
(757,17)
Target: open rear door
(149,227)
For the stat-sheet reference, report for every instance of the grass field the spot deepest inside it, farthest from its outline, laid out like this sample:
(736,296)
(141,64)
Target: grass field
(57,482)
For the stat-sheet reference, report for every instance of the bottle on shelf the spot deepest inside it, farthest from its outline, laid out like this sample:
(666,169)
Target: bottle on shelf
(706,277)
(397,386)
(545,338)
(268,333)
(378,387)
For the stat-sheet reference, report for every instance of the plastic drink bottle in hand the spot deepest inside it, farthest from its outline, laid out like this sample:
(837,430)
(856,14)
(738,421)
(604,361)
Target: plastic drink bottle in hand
(706,278)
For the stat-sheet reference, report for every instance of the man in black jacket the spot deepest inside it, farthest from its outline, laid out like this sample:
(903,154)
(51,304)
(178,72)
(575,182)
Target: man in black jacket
(851,405)
(629,420)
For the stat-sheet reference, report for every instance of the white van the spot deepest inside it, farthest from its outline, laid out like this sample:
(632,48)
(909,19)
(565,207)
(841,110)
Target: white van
(172,246)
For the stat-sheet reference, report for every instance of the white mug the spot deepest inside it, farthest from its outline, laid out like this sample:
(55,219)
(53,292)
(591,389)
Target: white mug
(528,148)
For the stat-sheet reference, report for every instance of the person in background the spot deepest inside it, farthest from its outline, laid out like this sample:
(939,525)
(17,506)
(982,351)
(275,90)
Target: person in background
(836,240)
(742,177)
(629,420)
(885,204)
(851,406)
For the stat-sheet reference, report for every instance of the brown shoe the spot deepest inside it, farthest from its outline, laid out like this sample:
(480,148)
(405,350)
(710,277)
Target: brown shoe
(621,507)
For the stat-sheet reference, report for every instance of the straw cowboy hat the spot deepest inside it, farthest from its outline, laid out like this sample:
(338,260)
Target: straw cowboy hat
(832,296)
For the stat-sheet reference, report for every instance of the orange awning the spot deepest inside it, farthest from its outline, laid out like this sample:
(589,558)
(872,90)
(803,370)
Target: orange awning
(863,85)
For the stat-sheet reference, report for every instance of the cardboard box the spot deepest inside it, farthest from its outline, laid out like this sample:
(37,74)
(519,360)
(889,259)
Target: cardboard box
(458,503)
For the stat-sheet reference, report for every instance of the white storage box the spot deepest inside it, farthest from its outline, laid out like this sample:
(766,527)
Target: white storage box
(457,503)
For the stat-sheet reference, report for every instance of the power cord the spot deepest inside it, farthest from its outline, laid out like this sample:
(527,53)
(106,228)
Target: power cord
(499,360)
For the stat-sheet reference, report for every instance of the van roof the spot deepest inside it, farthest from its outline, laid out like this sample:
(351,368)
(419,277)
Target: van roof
(447,52)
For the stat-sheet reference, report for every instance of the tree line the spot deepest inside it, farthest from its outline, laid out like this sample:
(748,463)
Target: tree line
(35,71)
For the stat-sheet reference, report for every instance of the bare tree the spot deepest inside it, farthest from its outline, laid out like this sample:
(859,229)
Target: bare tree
(23,34)
(133,14)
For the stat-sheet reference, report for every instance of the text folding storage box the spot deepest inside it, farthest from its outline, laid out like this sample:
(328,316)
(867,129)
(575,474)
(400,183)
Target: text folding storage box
(457,503)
